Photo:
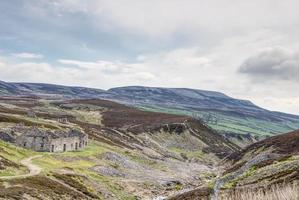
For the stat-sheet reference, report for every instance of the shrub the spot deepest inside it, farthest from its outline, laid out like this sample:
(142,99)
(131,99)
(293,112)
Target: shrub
(275,192)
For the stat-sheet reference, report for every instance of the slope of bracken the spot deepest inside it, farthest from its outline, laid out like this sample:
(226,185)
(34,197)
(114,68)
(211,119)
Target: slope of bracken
(284,144)
(131,120)
(269,162)
(287,143)
(119,116)
(273,162)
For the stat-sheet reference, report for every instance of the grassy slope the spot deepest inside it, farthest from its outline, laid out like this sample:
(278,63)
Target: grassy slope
(77,162)
(81,163)
(13,155)
(281,163)
(227,123)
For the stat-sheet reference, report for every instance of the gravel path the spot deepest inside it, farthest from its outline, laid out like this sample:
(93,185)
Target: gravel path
(33,169)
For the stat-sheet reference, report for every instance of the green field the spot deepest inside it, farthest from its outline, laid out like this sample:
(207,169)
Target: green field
(231,124)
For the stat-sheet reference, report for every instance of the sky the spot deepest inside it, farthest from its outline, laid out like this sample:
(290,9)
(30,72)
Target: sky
(245,49)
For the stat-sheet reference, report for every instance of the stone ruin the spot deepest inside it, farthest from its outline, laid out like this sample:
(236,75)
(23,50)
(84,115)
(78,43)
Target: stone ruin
(62,120)
(43,140)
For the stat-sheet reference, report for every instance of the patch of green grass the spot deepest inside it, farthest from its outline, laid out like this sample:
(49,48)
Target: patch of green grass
(93,149)
(111,185)
(211,184)
(76,160)
(233,183)
(11,171)
(14,153)
(165,110)
(230,123)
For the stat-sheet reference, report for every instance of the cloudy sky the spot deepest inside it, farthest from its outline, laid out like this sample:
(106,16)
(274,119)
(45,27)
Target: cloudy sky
(246,49)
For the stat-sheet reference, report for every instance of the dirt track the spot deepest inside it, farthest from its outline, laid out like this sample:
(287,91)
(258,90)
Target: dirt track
(33,169)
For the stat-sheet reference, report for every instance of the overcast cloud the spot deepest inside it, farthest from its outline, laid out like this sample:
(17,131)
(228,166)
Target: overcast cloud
(246,49)
(272,64)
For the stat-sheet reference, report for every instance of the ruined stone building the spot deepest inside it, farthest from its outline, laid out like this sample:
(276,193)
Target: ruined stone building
(63,120)
(52,141)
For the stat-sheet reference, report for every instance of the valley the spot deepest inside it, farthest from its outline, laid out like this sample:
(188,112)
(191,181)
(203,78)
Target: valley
(134,154)
(239,120)
(149,100)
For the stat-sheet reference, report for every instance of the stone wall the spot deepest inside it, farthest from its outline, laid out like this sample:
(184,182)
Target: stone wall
(47,144)
(37,143)
(68,144)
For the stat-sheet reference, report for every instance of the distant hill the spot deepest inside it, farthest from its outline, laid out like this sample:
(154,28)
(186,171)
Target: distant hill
(47,89)
(233,117)
(220,111)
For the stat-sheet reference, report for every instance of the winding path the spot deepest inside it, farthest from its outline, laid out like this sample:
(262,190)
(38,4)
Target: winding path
(33,169)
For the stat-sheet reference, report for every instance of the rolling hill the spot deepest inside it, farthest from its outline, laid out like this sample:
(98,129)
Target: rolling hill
(240,120)
(132,154)
(221,112)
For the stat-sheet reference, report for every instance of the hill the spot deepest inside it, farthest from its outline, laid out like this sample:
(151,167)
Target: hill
(132,153)
(240,120)
(273,161)
(47,89)
(221,112)
(268,169)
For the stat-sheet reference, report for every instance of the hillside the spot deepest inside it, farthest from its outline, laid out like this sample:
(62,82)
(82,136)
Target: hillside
(47,89)
(223,113)
(270,166)
(131,154)
(240,120)
(274,161)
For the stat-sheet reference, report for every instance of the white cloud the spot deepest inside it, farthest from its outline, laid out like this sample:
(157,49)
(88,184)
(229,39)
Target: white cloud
(177,68)
(101,65)
(144,76)
(2,64)
(158,18)
(169,43)
(285,104)
(28,55)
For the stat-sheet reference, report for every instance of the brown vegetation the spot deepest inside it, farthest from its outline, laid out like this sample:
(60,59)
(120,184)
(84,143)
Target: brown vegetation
(77,182)
(197,194)
(38,187)
(5,163)
(275,192)
(287,144)
(16,120)
(284,144)
(119,116)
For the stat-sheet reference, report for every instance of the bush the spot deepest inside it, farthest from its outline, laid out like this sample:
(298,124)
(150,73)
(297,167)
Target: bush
(275,192)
